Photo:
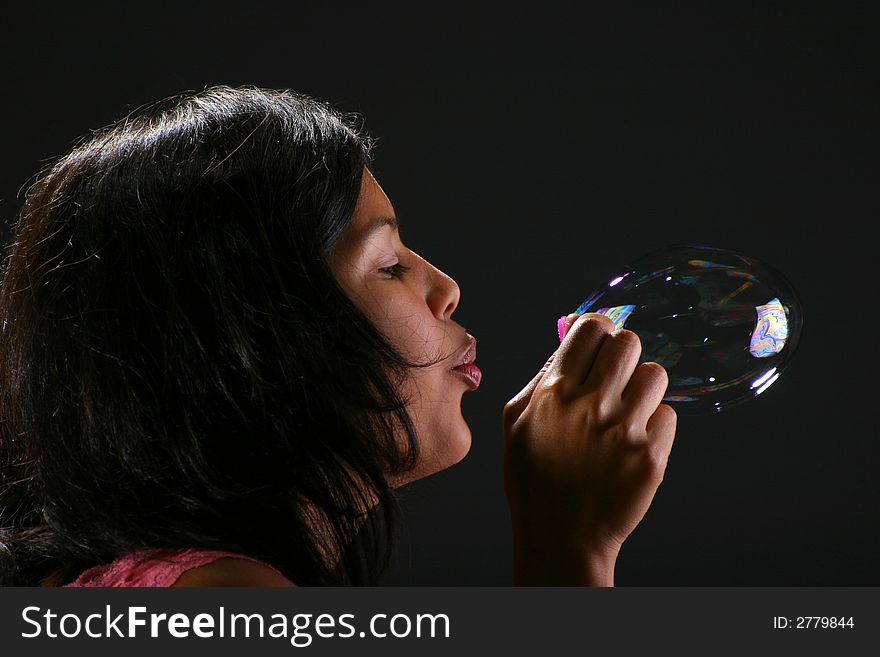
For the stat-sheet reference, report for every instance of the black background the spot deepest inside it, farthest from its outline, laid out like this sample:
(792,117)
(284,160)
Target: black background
(528,153)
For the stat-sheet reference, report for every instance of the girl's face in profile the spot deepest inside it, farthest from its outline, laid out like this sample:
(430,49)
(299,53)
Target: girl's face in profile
(411,302)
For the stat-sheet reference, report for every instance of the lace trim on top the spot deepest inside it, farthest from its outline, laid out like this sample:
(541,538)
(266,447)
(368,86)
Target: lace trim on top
(153,567)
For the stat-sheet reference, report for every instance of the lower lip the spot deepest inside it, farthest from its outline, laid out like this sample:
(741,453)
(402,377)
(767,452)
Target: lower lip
(470,373)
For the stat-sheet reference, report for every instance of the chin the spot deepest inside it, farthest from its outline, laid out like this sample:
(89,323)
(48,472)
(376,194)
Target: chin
(461,447)
(455,448)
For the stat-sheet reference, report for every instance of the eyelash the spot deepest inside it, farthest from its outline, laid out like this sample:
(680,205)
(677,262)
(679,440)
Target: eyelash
(396,270)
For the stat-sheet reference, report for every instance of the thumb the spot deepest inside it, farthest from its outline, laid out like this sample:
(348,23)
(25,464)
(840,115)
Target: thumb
(518,404)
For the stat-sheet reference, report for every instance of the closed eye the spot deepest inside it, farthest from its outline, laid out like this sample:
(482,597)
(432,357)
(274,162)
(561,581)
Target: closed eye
(396,270)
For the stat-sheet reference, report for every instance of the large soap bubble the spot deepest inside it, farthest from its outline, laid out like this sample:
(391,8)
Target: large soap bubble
(723,324)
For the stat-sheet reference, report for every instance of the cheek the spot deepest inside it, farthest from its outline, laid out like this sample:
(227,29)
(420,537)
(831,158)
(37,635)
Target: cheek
(411,328)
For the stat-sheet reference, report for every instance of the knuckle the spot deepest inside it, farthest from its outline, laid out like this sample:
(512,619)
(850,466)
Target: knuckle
(658,477)
(553,390)
(659,456)
(594,325)
(655,463)
(655,370)
(517,430)
(552,386)
(632,433)
(628,340)
(604,321)
(512,433)
(516,444)
(667,414)
(603,406)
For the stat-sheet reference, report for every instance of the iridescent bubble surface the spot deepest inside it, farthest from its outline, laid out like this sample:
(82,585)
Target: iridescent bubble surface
(723,324)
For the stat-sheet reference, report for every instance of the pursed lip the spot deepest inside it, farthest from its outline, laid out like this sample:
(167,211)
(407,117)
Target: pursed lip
(468,355)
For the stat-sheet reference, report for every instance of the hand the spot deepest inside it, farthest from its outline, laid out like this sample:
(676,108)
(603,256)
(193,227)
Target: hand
(586,444)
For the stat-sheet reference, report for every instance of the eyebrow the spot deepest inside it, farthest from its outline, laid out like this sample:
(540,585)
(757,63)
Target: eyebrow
(380,222)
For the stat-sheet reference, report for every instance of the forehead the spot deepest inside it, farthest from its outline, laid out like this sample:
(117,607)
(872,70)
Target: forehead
(372,199)
(371,214)
(373,209)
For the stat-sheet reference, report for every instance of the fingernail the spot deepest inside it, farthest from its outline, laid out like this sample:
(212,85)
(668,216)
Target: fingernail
(562,326)
(564,323)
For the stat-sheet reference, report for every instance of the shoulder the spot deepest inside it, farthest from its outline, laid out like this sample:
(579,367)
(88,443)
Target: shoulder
(232,571)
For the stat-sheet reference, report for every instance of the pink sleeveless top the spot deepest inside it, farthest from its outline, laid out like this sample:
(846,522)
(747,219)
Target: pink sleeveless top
(153,567)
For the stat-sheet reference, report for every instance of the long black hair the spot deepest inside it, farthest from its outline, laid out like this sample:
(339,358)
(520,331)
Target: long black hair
(178,365)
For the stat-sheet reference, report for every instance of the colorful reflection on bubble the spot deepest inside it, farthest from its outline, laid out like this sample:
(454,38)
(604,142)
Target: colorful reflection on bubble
(771,330)
(617,314)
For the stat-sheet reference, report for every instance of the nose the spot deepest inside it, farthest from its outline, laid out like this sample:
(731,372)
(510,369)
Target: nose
(442,292)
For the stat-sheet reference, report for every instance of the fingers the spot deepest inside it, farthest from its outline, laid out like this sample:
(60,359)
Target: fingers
(564,323)
(615,362)
(661,433)
(601,358)
(575,356)
(645,391)
(514,408)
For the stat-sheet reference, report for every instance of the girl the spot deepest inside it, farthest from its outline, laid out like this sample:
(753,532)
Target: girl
(219,359)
